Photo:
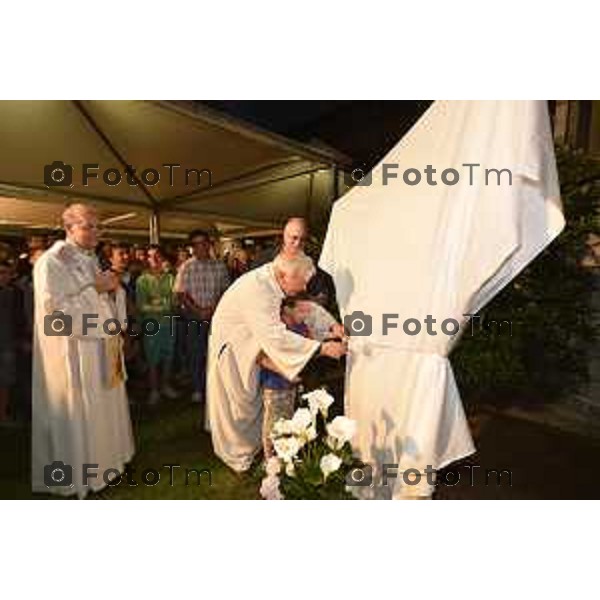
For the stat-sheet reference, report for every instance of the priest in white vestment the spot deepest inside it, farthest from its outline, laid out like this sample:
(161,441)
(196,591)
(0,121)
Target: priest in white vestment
(247,320)
(434,251)
(80,408)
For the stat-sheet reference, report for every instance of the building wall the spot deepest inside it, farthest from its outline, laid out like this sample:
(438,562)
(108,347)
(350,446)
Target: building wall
(577,123)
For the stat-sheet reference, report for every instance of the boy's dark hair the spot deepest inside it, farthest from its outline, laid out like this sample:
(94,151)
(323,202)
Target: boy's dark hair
(6,264)
(291,301)
(158,248)
(121,246)
(198,233)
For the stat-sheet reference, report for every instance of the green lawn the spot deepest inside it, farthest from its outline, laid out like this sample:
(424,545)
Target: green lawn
(545,462)
(168,434)
(171,433)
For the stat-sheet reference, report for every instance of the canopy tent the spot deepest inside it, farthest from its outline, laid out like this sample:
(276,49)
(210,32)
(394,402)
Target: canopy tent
(240,180)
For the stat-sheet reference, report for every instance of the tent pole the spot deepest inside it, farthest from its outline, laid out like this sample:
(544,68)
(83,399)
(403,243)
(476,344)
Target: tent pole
(155,227)
(311,185)
(336,183)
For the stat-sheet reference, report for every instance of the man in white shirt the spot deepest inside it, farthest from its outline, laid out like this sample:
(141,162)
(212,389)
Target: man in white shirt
(199,284)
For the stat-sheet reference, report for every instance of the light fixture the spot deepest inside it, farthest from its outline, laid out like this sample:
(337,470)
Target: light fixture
(118,218)
(10,222)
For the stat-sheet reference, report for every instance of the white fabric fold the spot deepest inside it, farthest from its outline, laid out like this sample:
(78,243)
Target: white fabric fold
(442,251)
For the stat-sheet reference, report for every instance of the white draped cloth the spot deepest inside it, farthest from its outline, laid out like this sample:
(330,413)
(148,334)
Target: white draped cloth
(80,412)
(247,320)
(444,251)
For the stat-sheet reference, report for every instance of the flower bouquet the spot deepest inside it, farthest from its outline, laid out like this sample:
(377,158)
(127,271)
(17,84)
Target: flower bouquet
(313,456)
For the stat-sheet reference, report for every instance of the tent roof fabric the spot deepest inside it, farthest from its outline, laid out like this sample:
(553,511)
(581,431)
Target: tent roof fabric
(238,176)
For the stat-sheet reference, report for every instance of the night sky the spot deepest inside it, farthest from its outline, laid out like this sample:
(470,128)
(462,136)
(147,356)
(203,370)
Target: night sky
(364,130)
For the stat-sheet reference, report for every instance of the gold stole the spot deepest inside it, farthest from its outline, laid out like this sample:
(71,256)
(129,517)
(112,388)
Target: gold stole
(115,374)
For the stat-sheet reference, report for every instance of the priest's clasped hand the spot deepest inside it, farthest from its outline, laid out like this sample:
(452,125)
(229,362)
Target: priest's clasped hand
(106,281)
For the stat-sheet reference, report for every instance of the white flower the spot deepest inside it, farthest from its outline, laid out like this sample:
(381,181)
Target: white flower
(282,427)
(269,488)
(318,400)
(286,448)
(342,430)
(329,464)
(307,435)
(301,420)
(310,433)
(333,443)
(273,466)
(290,469)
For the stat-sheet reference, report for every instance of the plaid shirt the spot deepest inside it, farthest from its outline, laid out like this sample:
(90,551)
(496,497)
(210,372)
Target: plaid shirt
(203,280)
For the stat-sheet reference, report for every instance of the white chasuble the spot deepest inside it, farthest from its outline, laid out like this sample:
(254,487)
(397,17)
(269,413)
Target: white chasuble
(80,407)
(434,251)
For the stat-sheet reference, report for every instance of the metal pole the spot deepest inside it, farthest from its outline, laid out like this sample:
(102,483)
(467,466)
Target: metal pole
(311,184)
(336,182)
(155,227)
(88,117)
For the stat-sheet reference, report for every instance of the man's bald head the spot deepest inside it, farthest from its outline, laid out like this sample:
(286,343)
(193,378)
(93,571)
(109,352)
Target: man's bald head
(81,225)
(74,213)
(294,236)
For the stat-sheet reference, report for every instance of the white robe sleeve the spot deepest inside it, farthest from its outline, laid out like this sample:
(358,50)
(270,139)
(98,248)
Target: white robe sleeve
(61,292)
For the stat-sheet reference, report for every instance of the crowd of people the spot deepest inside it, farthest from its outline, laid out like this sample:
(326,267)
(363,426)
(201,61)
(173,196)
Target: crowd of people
(91,326)
(16,326)
(178,285)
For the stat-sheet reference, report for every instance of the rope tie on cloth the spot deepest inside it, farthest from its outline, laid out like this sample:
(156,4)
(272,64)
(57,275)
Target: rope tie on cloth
(360,345)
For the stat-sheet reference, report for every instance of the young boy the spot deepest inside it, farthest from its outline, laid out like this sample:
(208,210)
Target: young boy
(154,298)
(278,393)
